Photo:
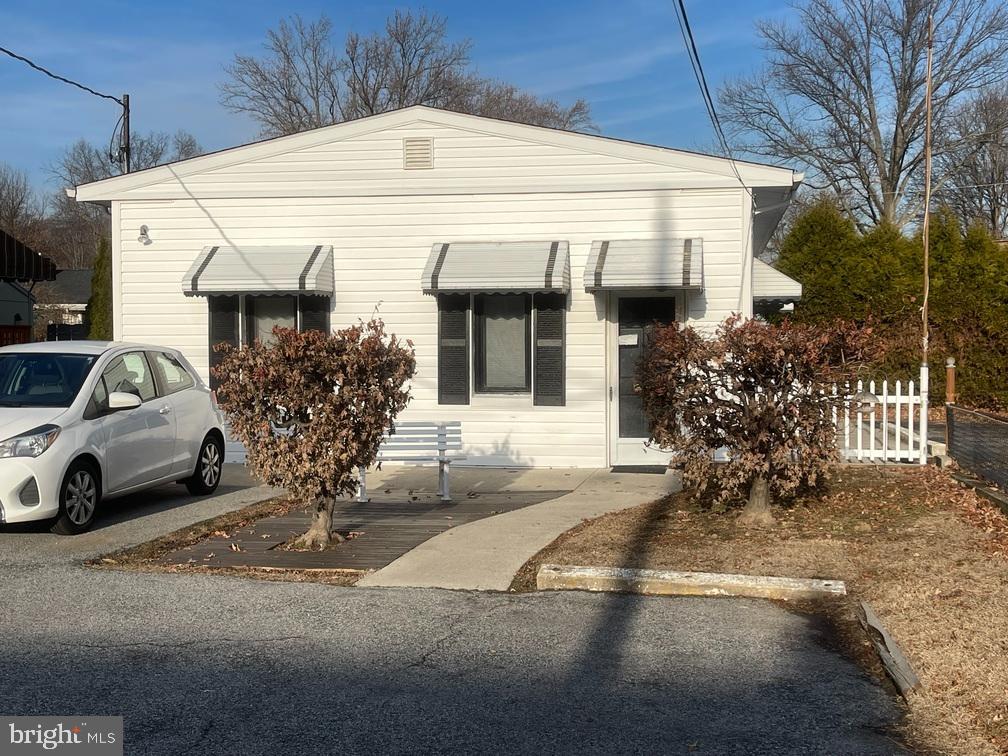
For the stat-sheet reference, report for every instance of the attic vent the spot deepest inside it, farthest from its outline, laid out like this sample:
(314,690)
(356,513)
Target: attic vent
(418,153)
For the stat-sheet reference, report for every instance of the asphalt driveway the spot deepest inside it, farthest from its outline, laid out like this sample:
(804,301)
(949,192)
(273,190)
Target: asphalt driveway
(212,664)
(131,520)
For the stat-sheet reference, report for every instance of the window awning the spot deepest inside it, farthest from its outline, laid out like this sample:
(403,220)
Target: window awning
(645,264)
(770,285)
(262,270)
(497,267)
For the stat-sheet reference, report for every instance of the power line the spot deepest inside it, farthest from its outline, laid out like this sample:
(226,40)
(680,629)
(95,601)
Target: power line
(694,56)
(124,135)
(50,74)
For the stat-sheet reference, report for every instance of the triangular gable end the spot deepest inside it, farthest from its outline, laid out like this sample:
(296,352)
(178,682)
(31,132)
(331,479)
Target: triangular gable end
(469,153)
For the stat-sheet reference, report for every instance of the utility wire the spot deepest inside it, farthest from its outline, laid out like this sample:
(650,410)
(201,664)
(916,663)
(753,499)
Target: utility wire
(694,56)
(58,77)
(123,117)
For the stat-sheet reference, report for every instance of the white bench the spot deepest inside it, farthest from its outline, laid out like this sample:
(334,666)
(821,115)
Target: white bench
(420,442)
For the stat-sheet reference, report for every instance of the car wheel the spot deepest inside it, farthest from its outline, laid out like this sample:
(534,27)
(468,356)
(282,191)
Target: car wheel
(78,499)
(207,475)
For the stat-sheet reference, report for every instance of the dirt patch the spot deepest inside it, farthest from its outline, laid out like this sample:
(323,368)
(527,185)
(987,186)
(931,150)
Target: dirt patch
(930,556)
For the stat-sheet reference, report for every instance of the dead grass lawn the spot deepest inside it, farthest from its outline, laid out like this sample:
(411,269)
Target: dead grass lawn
(930,556)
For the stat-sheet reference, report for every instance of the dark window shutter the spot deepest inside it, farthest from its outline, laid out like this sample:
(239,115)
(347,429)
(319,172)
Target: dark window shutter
(223,327)
(453,349)
(314,313)
(550,370)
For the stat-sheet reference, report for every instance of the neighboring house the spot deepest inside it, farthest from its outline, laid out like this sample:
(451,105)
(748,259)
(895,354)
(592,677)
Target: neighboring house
(16,304)
(66,298)
(523,263)
(21,268)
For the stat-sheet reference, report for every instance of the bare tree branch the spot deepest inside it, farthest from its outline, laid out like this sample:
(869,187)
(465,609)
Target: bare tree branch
(843,92)
(303,82)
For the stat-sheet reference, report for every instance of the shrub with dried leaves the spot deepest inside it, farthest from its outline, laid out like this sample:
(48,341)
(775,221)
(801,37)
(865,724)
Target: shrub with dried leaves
(761,391)
(311,408)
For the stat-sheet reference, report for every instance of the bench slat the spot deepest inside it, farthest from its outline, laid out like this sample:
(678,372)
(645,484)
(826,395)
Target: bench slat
(447,424)
(405,458)
(422,436)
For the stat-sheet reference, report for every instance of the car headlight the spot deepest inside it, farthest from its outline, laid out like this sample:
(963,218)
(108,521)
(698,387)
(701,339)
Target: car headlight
(30,443)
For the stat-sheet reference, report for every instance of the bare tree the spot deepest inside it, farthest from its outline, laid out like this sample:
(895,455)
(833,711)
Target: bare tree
(21,208)
(295,86)
(73,227)
(843,92)
(303,81)
(975,172)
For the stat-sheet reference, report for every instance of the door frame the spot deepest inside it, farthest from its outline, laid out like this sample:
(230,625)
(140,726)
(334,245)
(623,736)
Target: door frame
(613,443)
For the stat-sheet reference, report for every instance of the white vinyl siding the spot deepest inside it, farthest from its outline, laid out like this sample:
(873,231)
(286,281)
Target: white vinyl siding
(380,247)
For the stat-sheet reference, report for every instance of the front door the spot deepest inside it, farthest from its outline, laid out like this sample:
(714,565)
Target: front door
(630,318)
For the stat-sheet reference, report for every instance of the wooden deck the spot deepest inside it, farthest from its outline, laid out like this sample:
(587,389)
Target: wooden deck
(384,529)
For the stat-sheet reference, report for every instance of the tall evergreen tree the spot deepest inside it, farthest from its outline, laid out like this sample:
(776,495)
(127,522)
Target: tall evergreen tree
(878,276)
(98,315)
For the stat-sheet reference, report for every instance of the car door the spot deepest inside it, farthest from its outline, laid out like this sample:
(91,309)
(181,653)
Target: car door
(189,407)
(139,442)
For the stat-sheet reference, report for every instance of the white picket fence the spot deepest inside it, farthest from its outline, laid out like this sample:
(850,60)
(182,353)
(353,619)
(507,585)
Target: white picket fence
(884,422)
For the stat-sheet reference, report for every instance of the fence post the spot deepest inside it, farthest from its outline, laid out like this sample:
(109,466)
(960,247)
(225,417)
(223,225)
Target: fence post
(949,393)
(923,413)
(950,380)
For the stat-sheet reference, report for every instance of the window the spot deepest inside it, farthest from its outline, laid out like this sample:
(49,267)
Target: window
(231,323)
(98,403)
(518,346)
(264,313)
(130,374)
(172,375)
(502,336)
(42,380)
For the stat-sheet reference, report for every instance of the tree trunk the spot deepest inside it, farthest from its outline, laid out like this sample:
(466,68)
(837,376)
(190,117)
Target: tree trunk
(756,513)
(320,534)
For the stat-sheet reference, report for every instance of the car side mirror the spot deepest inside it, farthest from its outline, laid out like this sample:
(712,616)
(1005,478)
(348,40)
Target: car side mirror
(121,400)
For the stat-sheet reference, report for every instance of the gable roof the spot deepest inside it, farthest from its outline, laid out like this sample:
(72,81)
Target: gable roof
(70,287)
(753,174)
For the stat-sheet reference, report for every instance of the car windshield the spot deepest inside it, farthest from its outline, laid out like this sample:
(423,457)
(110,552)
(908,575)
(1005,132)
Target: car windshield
(42,380)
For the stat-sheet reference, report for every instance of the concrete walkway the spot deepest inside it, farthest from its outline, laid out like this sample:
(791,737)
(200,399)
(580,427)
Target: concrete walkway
(486,554)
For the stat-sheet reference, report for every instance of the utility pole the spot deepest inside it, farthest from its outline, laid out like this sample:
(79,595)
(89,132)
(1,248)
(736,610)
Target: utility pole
(927,192)
(126,157)
(925,227)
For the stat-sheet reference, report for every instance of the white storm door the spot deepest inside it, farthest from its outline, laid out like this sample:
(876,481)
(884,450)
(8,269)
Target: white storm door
(629,318)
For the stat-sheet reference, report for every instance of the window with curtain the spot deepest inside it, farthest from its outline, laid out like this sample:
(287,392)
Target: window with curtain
(502,355)
(265,312)
(260,314)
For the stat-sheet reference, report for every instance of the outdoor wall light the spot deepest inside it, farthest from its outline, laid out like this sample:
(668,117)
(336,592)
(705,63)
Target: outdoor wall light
(144,238)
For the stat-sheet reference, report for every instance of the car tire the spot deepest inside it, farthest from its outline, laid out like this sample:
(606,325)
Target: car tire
(79,496)
(206,477)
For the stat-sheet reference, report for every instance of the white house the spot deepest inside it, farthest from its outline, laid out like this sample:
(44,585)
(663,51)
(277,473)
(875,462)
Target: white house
(523,262)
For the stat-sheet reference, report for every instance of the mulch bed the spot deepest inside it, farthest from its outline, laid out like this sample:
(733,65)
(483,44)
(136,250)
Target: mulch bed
(930,556)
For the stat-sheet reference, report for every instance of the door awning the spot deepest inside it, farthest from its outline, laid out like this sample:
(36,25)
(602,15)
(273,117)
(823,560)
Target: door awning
(645,264)
(263,270)
(499,267)
(770,285)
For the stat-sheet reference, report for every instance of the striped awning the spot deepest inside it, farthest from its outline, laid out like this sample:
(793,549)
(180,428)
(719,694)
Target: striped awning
(497,267)
(19,262)
(770,285)
(263,270)
(645,264)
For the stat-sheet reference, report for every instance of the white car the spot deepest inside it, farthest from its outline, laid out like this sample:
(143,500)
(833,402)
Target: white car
(84,421)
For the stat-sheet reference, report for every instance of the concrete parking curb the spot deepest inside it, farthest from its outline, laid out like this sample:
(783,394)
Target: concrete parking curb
(672,583)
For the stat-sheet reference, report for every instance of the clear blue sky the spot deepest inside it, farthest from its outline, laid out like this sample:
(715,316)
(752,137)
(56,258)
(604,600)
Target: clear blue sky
(624,56)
